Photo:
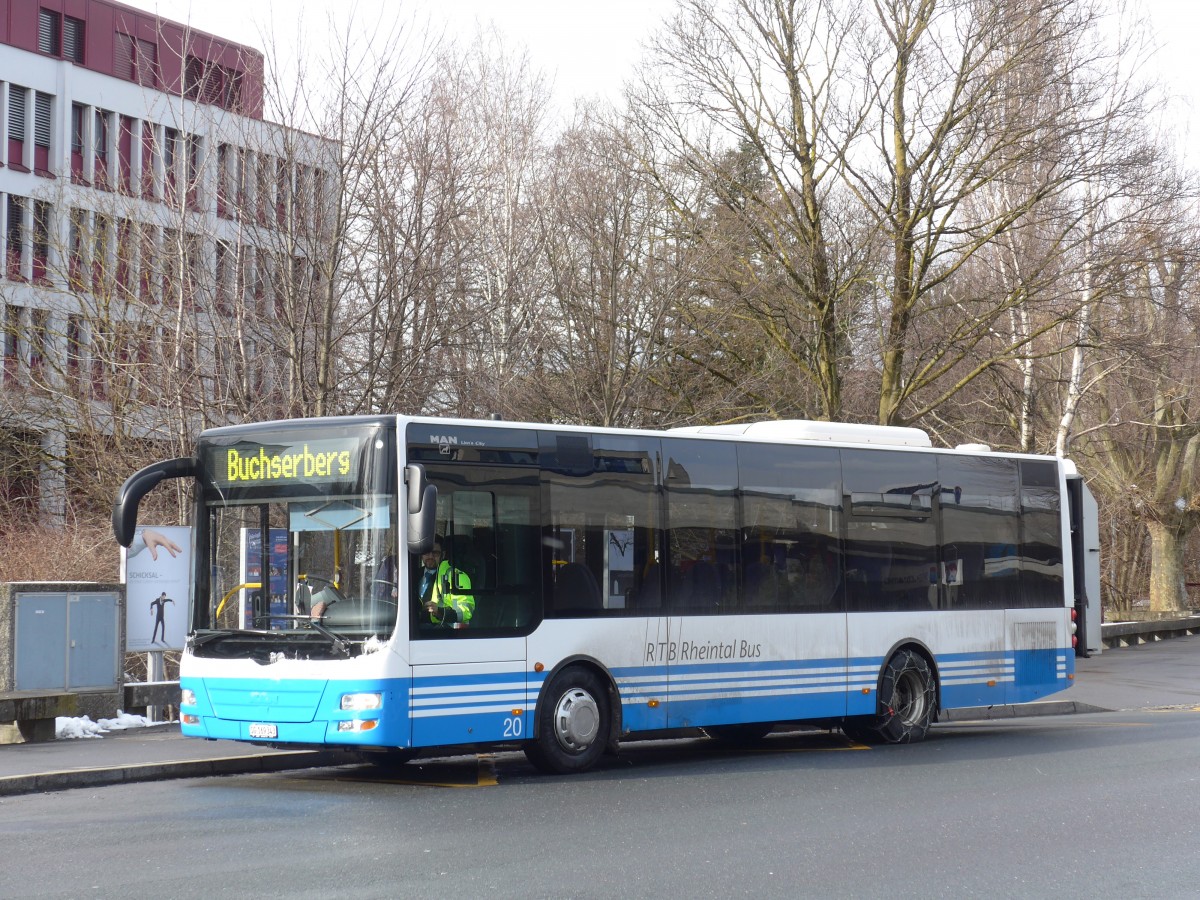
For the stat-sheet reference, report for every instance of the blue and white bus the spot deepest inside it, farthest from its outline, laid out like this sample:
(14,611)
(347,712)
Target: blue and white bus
(729,578)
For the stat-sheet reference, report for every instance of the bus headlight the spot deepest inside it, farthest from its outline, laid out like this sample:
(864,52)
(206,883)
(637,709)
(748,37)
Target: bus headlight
(187,697)
(362,701)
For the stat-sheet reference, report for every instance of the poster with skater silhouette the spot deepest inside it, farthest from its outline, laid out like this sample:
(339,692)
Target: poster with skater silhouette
(155,570)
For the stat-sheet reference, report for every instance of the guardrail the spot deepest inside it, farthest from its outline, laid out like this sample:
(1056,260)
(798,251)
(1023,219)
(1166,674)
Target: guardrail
(1129,634)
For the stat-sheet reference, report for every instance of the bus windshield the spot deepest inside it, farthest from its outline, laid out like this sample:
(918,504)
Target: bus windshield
(298,528)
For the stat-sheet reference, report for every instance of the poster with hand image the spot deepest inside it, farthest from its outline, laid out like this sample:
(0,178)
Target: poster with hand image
(155,570)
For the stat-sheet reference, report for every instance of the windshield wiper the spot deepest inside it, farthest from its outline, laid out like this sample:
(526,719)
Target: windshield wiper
(341,646)
(198,639)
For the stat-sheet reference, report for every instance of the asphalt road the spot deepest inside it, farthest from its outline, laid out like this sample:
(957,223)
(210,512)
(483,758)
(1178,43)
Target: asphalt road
(1063,806)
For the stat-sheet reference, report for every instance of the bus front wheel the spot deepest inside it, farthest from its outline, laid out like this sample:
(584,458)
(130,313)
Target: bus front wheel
(907,703)
(573,724)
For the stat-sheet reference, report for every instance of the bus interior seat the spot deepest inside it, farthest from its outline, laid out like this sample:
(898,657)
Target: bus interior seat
(703,586)
(760,587)
(575,587)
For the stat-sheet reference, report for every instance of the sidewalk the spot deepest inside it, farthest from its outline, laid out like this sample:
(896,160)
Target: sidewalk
(1150,676)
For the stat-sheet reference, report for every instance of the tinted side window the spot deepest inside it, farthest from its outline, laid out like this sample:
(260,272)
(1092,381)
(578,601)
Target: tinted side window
(702,552)
(1041,534)
(601,533)
(891,536)
(791,525)
(981,532)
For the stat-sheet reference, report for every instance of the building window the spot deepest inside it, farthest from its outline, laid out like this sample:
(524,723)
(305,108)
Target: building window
(192,144)
(224,154)
(265,189)
(283,190)
(8,342)
(49,32)
(42,117)
(75,350)
(101,237)
(60,35)
(41,241)
(126,129)
(147,264)
(18,99)
(73,39)
(77,248)
(125,64)
(194,269)
(78,114)
(170,158)
(100,142)
(148,161)
(231,90)
(146,61)
(101,353)
(39,343)
(209,82)
(126,248)
(14,235)
(225,259)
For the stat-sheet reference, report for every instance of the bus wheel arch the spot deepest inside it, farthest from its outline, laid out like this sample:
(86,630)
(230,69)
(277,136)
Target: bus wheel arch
(907,701)
(576,719)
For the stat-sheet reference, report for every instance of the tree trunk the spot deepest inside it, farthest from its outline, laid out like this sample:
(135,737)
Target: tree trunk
(1167,590)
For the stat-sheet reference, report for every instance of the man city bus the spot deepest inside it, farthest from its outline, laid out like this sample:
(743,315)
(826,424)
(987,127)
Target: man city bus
(598,583)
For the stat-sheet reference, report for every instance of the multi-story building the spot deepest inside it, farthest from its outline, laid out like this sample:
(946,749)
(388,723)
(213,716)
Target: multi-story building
(155,232)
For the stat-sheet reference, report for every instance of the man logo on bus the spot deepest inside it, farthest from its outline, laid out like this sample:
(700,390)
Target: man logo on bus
(444,442)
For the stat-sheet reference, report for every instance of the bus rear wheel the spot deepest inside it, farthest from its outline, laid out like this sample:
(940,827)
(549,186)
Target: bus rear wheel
(907,703)
(573,724)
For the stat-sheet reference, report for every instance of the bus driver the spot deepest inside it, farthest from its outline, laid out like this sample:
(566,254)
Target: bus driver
(444,591)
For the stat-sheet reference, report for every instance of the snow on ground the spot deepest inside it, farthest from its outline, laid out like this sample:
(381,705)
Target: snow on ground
(84,727)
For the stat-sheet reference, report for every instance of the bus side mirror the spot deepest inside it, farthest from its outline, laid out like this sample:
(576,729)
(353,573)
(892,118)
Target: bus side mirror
(137,486)
(422,509)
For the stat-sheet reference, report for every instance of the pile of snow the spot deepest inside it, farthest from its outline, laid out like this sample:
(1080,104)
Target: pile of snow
(83,727)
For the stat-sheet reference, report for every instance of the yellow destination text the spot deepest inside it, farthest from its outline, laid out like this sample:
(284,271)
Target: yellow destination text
(299,464)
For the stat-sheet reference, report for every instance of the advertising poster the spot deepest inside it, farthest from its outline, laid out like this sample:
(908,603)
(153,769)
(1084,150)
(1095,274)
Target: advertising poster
(155,570)
(276,585)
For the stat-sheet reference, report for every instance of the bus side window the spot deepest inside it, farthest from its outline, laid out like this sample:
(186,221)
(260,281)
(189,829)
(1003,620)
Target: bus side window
(702,546)
(791,519)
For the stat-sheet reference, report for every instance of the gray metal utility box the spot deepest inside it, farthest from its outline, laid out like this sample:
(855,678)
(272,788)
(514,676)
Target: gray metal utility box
(64,638)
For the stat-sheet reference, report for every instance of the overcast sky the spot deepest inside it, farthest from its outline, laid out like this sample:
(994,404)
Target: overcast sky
(590,48)
(586,48)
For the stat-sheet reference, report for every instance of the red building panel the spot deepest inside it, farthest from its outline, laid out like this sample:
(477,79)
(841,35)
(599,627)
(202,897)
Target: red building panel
(168,47)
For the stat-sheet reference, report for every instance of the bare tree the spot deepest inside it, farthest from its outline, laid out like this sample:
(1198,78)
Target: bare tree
(743,96)
(968,96)
(611,260)
(1146,443)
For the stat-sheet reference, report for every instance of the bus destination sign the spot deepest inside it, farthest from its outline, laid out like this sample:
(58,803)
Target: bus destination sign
(251,464)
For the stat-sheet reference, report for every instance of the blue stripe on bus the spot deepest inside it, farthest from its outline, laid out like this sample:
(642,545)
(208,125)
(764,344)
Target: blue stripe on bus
(436,710)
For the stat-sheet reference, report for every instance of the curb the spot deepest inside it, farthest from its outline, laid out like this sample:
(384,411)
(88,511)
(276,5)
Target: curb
(15,785)
(1046,708)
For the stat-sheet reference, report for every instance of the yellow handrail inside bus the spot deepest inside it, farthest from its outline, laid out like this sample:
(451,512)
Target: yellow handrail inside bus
(232,591)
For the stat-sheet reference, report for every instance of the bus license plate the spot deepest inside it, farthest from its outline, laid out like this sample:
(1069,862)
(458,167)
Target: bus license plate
(258,730)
